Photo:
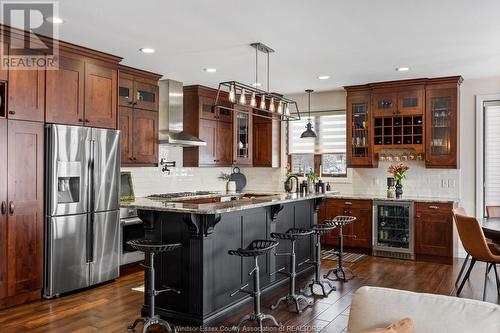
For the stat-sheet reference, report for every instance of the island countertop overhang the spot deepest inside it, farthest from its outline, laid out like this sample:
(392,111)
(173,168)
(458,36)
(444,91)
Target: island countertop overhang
(221,207)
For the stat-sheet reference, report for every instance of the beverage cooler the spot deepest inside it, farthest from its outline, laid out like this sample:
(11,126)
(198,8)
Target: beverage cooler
(393,229)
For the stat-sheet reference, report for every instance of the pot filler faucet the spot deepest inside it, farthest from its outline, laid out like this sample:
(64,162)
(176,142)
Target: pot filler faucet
(166,165)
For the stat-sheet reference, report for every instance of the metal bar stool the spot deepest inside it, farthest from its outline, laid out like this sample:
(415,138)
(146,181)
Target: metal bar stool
(319,230)
(340,222)
(151,248)
(291,235)
(255,249)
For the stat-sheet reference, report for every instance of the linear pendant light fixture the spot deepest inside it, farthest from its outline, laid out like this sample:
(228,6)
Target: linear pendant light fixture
(265,103)
(308,133)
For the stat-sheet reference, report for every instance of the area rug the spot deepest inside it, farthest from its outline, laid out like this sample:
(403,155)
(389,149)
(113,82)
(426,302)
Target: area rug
(140,289)
(348,257)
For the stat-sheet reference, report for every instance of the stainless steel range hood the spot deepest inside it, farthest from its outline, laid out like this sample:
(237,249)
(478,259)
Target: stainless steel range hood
(171,118)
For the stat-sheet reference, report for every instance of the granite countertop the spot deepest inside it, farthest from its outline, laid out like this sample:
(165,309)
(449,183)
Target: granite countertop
(169,205)
(384,198)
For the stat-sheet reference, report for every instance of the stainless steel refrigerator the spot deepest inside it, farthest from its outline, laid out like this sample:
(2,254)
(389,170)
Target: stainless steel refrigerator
(82,207)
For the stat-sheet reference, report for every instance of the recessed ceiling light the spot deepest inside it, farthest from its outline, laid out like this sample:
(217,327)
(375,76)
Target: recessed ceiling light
(147,50)
(402,69)
(54,20)
(210,70)
(323,77)
(256,84)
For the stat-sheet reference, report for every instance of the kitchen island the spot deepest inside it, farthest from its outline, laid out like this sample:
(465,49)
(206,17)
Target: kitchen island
(202,270)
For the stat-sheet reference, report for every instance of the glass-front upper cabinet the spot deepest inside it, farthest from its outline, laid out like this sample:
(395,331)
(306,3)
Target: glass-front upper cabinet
(137,94)
(125,92)
(441,127)
(384,104)
(242,126)
(359,146)
(411,102)
(146,96)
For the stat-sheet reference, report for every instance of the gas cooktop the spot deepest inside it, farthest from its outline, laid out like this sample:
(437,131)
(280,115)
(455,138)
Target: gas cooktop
(180,195)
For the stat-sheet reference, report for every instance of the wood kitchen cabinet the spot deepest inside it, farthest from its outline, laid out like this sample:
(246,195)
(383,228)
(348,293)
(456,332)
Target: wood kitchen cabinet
(434,236)
(442,125)
(419,114)
(101,85)
(26,94)
(4,73)
(214,125)
(359,130)
(139,136)
(23,217)
(266,142)
(402,101)
(243,135)
(138,120)
(138,89)
(65,92)
(3,209)
(359,233)
(217,135)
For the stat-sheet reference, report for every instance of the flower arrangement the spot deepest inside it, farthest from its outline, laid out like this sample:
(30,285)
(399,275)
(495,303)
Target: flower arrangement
(398,171)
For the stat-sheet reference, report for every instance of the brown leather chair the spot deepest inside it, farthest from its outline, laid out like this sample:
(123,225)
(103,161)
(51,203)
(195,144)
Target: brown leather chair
(461,211)
(474,242)
(492,211)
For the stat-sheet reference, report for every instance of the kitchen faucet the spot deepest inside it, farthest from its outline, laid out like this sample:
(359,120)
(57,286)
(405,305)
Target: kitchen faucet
(288,184)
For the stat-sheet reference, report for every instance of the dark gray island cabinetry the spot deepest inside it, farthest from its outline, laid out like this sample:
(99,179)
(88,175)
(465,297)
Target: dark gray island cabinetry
(202,270)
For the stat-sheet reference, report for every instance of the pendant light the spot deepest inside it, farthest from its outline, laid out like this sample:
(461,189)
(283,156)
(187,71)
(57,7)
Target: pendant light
(243,99)
(232,94)
(271,105)
(309,133)
(253,101)
(263,102)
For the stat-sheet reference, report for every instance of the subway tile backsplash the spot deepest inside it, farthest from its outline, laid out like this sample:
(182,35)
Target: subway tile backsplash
(420,181)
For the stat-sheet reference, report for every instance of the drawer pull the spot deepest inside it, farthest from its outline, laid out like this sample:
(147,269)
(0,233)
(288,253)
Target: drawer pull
(433,207)
(348,203)
(4,208)
(11,208)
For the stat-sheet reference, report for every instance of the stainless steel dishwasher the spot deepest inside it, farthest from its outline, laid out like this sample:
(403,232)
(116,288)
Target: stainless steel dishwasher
(393,229)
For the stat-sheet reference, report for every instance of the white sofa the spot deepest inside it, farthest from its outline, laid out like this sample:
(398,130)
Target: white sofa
(374,307)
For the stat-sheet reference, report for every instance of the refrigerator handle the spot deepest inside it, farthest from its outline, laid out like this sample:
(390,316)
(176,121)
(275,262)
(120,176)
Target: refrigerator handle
(90,238)
(90,220)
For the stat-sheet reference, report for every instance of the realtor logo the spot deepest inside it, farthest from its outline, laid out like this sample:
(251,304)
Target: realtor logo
(26,49)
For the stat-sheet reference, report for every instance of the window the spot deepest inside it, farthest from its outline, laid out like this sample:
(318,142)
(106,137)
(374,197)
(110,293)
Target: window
(491,154)
(325,154)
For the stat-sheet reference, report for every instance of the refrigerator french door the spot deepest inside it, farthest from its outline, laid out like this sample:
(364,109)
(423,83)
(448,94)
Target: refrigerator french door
(82,208)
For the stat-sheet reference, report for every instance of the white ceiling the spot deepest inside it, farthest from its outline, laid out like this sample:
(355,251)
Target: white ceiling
(354,42)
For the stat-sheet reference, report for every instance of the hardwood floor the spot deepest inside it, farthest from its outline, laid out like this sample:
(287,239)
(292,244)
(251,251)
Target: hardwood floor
(111,307)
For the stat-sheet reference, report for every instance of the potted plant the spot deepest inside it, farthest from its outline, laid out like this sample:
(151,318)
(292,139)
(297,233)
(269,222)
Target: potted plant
(230,185)
(312,177)
(399,173)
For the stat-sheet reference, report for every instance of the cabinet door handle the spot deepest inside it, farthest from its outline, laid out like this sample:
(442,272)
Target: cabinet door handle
(130,102)
(87,121)
(12,112)
(417,216)
(433,207)
(11,208)
(4,208)
(348,203)
(130,158)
